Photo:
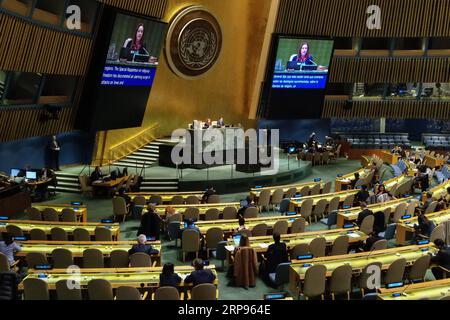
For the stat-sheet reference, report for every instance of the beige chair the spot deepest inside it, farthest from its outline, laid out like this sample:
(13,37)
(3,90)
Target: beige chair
(212,214)
(119,208)
(34,214)
(299,225)
(119,259)
(35,258)
(177,200)
(251,212)
(58,234)
(326,187)
(246,232)
(215,198)
(341,281)
(15,231)
(154,198)
(333,205)
(431,208)
(100,289)
(315,190)
(348,201)
(38,235)
(190,242)
(291,193)
(129,293)
(319,209)
(229,213)
(192,200)
(4,263)
(396,271)
(192,213)
(213,237)
(35,289)
(81,234)
(93,258)
(280,227)
(387,215)
(340,246)
(367,224)
(366,275)
(410,209)
(130,181)
(318,247)
(65,293)
(301,249)
(438,233)
(277,197)
(140,260)
(50,214)
(68,215)
(259,230)
(62,258)
(103,234)
(140,201)
(205,291)
(263,200)
(306,209)
(175,217)
(304,191)
(379,245)
(85,187)
(419,269)
(315,281)
(166,293)
(399,212)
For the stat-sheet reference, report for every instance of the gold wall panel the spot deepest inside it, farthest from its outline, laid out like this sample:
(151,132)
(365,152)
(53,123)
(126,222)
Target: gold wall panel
(151,8)
(225,90)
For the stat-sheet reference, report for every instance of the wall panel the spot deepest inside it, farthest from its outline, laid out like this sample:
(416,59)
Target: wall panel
(152,8)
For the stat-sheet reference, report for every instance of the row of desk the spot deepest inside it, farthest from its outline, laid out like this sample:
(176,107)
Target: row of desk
(80,210)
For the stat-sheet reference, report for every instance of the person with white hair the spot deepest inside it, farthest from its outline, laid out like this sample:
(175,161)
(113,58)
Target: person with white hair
(142,246)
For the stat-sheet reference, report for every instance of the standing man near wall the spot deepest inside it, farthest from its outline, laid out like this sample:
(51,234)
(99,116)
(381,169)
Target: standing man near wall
(54,154)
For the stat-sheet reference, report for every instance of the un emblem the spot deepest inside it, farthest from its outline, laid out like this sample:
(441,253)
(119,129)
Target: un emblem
(193,42)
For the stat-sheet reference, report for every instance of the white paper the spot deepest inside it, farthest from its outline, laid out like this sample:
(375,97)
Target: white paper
(229,248)
(264,245)
(353,235)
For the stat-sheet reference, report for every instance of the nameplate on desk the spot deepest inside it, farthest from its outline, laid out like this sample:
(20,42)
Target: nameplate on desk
(107,227)
(76,203)
(306,265)
(258,187)
(396,295)
(292,213)
(317,179)
(292,220)
(394,285)
(348,225)
(422,242)
(151,238)
(406,195)
(275,296)
(408,216)
(339,175)
(3,218)
(106,221)
(43,267)
(20,238)
(42,276)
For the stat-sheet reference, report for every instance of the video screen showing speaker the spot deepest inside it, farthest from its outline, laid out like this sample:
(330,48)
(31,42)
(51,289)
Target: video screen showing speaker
(122,71)
(133,52)
(297,77)
(302,63)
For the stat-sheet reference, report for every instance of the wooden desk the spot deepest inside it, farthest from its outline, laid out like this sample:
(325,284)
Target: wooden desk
(433,162)
(389,184)
(181,208)
(430,290)
(260,244)
(347,179)
(256,191)
(357,261)
(134,277)
(69,227)
(229,226)
(77,248)
(167,196)
(389,157)
(296,203)
(405,228)
(437,191)
(14,203)
(351,215)
(109,184)
(80,211)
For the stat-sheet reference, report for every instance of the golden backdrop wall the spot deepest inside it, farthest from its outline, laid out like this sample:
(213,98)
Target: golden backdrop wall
(225,90)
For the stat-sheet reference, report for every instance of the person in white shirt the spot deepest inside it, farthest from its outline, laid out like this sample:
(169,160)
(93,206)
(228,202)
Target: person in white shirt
(8,247)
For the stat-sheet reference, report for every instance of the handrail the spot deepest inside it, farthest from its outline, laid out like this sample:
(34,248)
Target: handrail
(133,143)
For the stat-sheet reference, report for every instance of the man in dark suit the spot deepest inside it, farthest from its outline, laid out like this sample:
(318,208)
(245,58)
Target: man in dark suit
(97,174)
(209,192)
(373,237)
(442,259)
(276,254)
(220,122)
(54,154)
(364,213)
(200,275)
(141,246)
(150,223)
(362,195)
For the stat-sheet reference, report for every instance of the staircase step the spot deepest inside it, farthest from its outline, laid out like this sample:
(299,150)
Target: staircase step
(66,189)
(146,158)
(168,183)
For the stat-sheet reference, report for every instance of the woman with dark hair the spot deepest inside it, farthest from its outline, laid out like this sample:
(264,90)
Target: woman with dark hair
(136,44)
(303,55)
(168,277)
(8,247)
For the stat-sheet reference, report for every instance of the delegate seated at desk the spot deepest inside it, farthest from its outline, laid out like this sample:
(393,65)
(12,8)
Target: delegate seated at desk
(141,246)
(97,174)
(200,275)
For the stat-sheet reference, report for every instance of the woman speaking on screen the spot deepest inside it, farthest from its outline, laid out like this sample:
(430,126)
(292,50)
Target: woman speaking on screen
(136,44)
(303,55)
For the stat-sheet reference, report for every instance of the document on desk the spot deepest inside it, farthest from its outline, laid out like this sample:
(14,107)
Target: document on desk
(229,248)
(353,235)
(263,245)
